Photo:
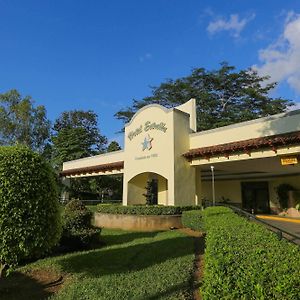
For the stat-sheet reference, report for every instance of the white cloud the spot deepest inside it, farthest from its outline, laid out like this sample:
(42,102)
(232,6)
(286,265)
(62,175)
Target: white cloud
(234,24)
(281,59)
(147,56)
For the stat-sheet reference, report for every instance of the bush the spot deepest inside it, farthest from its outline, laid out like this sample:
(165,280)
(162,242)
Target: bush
(192,219)
(283,194)
(76,215)
(77,230)
(30,223)
(144,209)
(243,260)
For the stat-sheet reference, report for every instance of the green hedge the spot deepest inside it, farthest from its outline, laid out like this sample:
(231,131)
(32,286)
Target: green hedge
(30,221)
(143,209)
(243,260)
(192,219)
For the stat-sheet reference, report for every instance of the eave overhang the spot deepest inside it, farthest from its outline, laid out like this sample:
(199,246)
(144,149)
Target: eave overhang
(116,166)
(272,142)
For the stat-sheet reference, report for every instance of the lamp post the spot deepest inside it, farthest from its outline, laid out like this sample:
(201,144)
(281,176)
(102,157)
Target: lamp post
(213,184)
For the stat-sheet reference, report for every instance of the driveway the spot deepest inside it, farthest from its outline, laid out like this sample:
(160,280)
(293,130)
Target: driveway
(287,224)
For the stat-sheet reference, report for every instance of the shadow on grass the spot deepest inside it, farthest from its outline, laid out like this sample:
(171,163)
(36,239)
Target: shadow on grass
(131,258)
(19,286)
(181,289)
(117,239)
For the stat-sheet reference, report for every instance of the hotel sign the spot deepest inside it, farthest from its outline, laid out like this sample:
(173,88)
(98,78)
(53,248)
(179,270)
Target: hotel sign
(146,127)
(289,160)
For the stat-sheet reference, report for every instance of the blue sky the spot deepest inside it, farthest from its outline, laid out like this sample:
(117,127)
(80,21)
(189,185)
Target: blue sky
(100,55)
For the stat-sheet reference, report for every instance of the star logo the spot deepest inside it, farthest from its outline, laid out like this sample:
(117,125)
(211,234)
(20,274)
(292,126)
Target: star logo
(147,143)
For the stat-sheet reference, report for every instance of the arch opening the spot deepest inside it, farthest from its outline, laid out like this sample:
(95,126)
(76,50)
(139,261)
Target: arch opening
(137,189)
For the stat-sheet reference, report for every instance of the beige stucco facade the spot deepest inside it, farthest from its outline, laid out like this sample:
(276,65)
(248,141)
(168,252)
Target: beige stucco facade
(155,140)
(162,145)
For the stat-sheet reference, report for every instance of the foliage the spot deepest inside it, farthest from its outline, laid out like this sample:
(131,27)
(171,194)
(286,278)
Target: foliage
(23,123)
(76,135)
(76,215)
(224,96)
(282,193)
(150,195)
(192,219)
(132,265)
(113,146)
(30,223)
(144,209)
(109,186)
(243,260)
(77,230)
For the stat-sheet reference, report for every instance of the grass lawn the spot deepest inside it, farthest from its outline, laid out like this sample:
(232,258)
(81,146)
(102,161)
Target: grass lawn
(132,265)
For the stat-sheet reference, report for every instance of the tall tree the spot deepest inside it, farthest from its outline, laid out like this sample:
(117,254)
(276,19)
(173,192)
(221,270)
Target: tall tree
(224,96)
(23,123)
(108,186)
(76,135)
(113,146)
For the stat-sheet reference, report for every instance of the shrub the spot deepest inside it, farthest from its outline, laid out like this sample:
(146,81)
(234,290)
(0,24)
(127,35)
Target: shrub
(76,215)
(79,239)
(77,230)
(144,209)
(243,260)
(192,219)
(283,194)
(30,223)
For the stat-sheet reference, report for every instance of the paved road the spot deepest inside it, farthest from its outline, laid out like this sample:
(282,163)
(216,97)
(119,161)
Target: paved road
(293,228)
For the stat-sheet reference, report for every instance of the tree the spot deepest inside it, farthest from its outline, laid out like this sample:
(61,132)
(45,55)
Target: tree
(23,123)
(76,135)
(150,195)
(224,96)
(113,146)
(108,185)
(30,222)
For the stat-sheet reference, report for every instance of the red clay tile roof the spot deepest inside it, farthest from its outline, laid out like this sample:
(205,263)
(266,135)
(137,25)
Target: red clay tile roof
(94,169)
(245,146)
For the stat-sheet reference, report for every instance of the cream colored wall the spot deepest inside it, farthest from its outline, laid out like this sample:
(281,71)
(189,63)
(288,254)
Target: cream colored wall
(198,186)
(162,191)
(231,189)
(137,189)
(106,158)
(277,124)
(190,108)
(184,174)
(159,159)
(165,157)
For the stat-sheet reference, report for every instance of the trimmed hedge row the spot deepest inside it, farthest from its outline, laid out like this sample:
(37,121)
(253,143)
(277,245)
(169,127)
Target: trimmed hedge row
(144,209)
(243,260)
(192,219)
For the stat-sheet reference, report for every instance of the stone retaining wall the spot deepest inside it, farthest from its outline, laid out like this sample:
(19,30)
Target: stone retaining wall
(137,222)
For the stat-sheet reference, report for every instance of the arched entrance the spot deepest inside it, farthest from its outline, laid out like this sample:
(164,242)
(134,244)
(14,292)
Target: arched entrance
(137,188)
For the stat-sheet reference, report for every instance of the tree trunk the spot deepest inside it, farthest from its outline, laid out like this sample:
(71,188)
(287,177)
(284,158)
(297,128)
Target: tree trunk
(3,269)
